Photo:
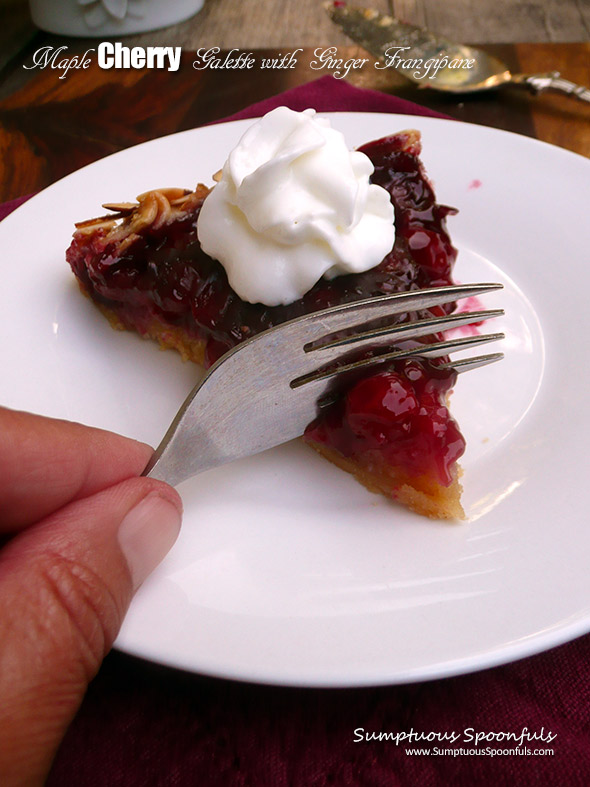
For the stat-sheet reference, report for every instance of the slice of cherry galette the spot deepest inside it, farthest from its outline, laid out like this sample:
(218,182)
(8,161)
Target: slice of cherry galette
(296,223)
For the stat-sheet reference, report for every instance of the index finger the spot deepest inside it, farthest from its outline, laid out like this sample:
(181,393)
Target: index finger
(46,463)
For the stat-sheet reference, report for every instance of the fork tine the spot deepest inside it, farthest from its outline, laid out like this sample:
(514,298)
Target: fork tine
(466,364)
(319,325)
(451,345)
(430,350)
(328,351)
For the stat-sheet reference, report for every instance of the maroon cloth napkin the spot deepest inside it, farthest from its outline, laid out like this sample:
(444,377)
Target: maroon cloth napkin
(8,207)
(143,724)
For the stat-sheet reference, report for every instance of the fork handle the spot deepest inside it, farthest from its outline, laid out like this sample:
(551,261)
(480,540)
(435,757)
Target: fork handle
(553,81)
(173,464)
(174,461)
(157,468)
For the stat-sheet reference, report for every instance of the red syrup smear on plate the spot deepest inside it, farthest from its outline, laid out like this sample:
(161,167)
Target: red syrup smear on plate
(471,304)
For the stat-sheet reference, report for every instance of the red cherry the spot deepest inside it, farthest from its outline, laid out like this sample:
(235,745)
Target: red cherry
(431,250)
(379,404)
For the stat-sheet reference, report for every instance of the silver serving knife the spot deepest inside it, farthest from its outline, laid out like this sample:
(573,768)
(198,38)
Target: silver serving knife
(435,62)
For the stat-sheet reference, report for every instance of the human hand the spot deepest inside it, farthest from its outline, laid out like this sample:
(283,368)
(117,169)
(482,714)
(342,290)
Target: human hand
(82,531)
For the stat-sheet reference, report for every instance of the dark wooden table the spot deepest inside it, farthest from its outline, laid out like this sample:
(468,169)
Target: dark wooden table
(50,126)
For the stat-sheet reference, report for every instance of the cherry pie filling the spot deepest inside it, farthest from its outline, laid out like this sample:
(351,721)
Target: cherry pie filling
(397,410)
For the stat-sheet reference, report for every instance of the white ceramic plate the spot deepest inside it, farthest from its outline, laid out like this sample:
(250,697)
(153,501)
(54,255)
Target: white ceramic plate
(287,571)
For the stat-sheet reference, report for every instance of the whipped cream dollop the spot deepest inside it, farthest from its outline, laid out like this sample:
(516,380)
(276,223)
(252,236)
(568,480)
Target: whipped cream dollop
(294,204)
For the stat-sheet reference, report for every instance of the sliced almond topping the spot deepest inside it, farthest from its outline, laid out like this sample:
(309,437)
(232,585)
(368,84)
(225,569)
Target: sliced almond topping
(179,200)
(98,221)
(155,207)
(88,227)
(146,212)
(170,193)
(124,208)
(164,210)
(127,241)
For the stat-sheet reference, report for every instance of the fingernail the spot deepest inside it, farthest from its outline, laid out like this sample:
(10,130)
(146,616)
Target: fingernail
(147,534)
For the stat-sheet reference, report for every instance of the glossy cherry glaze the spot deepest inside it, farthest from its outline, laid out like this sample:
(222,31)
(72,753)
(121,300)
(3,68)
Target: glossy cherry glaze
(163,274)
(400,413)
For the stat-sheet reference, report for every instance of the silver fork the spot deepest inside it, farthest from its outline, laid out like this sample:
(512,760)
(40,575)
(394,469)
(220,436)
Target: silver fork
(266,390)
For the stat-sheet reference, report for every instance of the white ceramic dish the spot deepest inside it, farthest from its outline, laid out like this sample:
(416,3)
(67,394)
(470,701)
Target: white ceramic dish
(287,571)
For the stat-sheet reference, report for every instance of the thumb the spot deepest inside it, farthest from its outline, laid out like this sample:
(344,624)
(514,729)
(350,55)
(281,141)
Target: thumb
(65,585)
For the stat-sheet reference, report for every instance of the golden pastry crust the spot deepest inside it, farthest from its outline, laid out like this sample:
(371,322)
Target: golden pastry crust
(420,494)
(168,337)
